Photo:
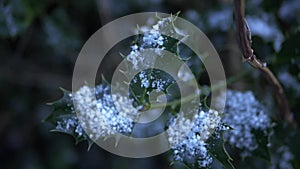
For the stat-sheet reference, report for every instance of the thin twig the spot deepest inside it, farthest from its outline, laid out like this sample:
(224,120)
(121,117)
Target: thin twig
(245,42)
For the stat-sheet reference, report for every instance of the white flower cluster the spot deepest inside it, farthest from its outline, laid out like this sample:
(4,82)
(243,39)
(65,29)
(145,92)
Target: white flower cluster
(144,79)
(148,80)
(100,117)
(68,126)
(244,114)
(153,38)
(187,138)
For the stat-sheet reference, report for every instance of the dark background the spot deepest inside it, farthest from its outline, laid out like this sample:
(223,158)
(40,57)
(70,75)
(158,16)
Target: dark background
(40,41)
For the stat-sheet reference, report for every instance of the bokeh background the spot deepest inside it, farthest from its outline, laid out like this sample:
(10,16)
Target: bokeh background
(40,41)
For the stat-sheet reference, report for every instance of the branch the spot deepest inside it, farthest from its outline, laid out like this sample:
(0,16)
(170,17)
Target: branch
(245,43)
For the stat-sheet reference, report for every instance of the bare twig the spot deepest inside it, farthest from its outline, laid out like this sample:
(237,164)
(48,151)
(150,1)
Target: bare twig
(245,42)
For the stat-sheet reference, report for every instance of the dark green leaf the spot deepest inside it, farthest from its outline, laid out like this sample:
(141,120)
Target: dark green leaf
(217,149)
(62,112)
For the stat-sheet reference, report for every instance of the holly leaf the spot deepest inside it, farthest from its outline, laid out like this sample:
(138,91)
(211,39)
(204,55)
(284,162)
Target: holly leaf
(61,107)
(216,147)
(65,120)
(150,79)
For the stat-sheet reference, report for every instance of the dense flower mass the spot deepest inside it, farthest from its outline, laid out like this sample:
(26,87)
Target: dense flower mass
(100,116)
(187,137)
(152,38)
(108,114)
(155,36)
(244,114)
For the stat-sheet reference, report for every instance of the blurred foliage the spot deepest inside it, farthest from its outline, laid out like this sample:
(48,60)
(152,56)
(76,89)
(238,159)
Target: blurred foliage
(40,41)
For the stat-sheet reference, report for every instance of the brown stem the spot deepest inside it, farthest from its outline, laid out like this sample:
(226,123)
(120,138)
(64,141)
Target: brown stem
(245,42)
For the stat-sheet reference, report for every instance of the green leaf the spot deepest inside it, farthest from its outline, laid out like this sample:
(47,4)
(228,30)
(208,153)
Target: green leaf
(61,107)
(63,113)
(216,147)
(137,90)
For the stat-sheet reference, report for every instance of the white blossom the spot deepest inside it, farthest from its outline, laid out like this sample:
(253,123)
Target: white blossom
(153,38)
(187,138)
(244,114)
(68,126)
(100,117)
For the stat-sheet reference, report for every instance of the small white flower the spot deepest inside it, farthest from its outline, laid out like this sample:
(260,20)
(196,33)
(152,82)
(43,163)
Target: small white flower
(244,113)
(101,117)
(187,138)
(153,38)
